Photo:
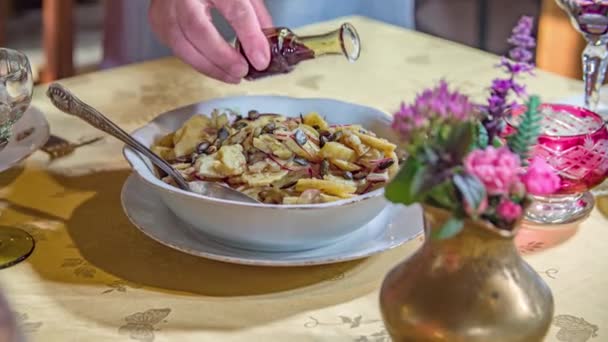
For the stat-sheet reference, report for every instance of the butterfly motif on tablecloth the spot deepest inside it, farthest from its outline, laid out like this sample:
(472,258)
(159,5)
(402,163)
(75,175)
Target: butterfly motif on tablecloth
(24,323)
(574,329)
(141,325)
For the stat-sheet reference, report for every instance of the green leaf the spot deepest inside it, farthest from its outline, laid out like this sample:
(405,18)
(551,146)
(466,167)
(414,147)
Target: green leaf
(497,143)
(460,140)
(407,184)
(482,136)
(471,189)
(451,228)
(528,130)
(444,196)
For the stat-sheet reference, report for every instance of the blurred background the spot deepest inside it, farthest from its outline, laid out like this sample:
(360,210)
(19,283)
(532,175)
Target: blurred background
(69,37)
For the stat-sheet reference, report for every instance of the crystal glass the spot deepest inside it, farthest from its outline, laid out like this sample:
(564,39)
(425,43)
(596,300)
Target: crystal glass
(288,49)
(16,86)
(590,17)
(574,141)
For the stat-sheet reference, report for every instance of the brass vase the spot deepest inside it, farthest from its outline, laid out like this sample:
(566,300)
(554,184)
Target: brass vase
(472,287)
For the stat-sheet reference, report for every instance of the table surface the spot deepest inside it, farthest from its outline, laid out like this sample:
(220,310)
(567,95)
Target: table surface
(95,277)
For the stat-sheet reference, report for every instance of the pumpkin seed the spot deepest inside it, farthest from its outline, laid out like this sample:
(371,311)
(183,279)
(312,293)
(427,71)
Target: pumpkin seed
(202,147)
(386,164)
(322,141)
(348,175)
(300,161)
(253,115)
(269,128)
(289,185)
(300,137)
(240,125)
(359,175)
(336,136)
(324,167)
(223,134)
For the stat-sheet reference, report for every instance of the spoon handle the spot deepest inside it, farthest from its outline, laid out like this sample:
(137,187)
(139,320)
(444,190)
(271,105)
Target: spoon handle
(67,102)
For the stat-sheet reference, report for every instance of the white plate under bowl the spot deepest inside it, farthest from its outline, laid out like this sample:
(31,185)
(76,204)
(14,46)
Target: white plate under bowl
(394,226)
(29,134)
(264,227)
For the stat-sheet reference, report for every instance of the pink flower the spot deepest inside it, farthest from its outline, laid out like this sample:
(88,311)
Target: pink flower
(540,178)
(495,168)
(508,210)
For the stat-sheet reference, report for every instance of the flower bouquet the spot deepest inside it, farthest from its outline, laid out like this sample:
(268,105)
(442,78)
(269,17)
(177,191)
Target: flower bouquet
(457,157)
(468,282)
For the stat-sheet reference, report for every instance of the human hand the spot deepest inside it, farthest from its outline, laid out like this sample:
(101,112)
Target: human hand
(187,28)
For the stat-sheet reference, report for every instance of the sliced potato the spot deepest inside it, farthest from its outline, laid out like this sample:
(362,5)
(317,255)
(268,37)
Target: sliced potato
(353,141)
(344,165)
(232,160)
(310,131)
(205,166)
(270,145)
(314,119)
(166,141)
(309,151)
(328,187)
(377,143)
(290,200)
(258,166)
(327,198)
(166,153)
(218,120)
(340,180)
(196,121)
(190,135)
(264,178)
(335,150)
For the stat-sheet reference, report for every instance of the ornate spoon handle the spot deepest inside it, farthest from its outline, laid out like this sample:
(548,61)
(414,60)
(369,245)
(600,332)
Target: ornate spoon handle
(64,100)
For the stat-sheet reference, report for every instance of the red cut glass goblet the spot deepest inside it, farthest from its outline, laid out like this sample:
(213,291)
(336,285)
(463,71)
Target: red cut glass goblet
(574,141)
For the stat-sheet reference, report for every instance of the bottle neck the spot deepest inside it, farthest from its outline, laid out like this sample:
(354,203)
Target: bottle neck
(343,41)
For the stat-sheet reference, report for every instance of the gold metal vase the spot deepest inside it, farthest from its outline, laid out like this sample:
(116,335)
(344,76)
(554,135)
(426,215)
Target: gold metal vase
(472,287)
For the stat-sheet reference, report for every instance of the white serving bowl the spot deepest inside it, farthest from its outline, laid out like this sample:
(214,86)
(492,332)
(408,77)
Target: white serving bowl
(265,227)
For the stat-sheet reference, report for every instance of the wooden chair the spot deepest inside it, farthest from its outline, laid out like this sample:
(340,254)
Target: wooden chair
(58,38)
(559,44)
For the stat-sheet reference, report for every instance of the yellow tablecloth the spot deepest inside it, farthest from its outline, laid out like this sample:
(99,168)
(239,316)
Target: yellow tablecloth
(94,277)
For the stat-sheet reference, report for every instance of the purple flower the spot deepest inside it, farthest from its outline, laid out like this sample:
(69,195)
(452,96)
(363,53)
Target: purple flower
(501,86)
(436,104)
(521,54)
(518,62)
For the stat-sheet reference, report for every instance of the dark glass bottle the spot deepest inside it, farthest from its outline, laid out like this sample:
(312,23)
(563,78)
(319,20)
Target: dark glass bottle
(288,49)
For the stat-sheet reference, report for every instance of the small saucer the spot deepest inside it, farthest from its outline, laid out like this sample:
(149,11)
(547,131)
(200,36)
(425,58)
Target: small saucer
(29,134)
(148,213)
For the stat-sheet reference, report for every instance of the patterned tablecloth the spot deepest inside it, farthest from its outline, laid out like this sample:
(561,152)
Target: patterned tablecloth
(94,277)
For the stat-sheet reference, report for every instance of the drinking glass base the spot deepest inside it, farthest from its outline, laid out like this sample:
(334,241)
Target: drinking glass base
(15,246)
(601,190)
(560,210)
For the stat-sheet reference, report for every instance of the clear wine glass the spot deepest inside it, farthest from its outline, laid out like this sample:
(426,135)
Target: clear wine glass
(590,17)
(16,87)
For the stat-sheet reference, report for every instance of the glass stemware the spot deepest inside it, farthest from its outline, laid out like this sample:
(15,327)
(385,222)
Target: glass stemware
(16,87)
(590,17)
(574,142)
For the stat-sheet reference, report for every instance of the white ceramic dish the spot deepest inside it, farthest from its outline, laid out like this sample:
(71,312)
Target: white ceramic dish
(147,212)
(29,134)
(260,226)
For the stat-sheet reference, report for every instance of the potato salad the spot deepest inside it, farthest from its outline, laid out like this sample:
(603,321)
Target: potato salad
(278,159)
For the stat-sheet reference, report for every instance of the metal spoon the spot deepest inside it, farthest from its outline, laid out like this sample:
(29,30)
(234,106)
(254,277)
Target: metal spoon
(65,101)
